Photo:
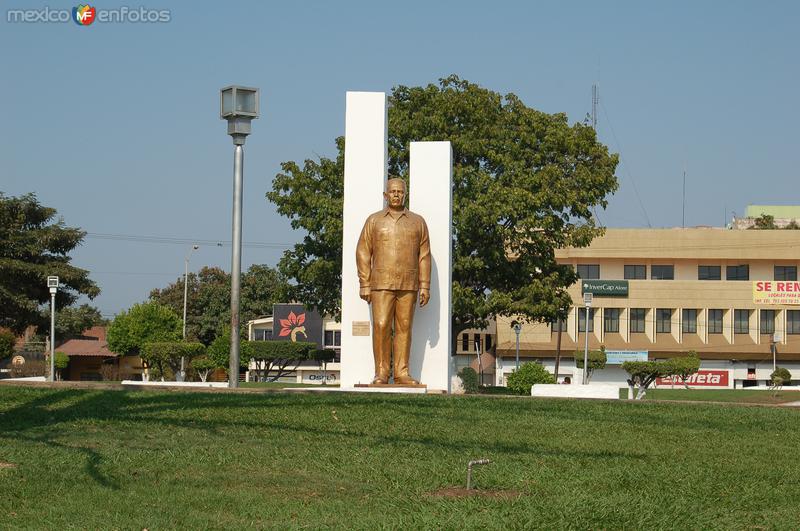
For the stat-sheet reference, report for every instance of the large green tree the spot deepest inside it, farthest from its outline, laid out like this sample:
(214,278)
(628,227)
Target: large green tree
(34,244)
(524,184)
(208,308)
(72,321)
(144,323)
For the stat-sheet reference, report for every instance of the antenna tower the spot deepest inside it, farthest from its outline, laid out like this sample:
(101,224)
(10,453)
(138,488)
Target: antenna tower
(595,101)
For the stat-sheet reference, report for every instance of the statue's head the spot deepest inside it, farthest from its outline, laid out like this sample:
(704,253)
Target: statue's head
(395,194)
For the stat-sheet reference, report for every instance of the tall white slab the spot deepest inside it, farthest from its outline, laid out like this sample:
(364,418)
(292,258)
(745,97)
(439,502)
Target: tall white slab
(431,196)
(365,168)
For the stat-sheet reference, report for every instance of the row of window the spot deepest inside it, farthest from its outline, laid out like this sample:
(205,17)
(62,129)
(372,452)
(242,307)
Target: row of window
(636,321)
(333,338)
(667,272)
(477,342)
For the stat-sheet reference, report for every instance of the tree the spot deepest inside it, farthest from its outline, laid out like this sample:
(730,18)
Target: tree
(204,365)
(644,373)
(765,222)
(469,380)
(208,307)
(7,342)
(220,350)
(162,354)
(60,362)
(34,246)
(144,323)
(524,184)
(684,367)
(597,360)
(324,356)
(520,381)
(276,359)
(780,377)
(72,321)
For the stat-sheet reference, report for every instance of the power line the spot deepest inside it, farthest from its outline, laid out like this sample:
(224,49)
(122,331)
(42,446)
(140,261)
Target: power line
(627,169)
(169,240)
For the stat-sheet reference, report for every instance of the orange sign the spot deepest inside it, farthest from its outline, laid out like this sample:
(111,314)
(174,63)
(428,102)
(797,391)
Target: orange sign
(776,292)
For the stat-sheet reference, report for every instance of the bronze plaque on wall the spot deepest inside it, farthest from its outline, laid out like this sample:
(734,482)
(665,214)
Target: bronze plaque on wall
(361,328)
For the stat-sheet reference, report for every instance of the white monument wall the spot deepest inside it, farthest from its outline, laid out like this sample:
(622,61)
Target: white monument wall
(365,167)
(430,196)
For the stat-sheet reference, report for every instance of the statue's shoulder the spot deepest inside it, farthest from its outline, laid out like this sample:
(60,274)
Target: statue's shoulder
(375,215)
(414,216)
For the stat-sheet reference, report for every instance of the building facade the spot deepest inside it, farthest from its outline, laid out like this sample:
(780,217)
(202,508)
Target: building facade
(684,290)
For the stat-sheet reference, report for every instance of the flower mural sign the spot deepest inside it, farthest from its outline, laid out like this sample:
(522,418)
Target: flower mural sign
(293,322)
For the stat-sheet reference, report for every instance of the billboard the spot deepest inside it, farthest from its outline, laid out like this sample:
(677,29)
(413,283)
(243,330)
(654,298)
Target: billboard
(776,292)
(292,322)
(702,378)
(618,357)
(605,288)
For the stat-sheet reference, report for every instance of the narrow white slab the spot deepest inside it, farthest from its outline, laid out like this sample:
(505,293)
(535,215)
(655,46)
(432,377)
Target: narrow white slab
(365,168)
(175,384)
(430,196)
(605,391)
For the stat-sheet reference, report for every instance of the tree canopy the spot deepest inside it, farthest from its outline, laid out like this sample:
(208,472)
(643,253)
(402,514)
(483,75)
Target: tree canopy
(72,321)
(208,307)
(143,323)
(524,184)
(34,245)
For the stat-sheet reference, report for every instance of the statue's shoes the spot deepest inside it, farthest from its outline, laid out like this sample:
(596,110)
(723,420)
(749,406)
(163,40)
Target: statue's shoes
(405,379)
(381,380)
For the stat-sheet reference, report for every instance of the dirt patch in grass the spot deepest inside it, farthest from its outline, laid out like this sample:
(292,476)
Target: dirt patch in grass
(7,465)
(461,492)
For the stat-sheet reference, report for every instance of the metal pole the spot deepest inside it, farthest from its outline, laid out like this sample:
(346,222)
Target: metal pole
(558,349)
(52,335)
(236,264)
(774,356)
(516,329)
(586,350)
(182,375)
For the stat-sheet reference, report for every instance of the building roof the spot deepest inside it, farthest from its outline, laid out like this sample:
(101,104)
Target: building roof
(91,343)
(776,211)
(689,243)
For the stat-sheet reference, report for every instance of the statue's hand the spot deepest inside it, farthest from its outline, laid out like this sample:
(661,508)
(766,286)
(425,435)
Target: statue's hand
(424,296)
(364,293)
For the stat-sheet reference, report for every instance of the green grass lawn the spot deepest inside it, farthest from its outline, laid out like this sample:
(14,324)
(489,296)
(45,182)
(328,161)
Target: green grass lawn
(724,395)
(86,459)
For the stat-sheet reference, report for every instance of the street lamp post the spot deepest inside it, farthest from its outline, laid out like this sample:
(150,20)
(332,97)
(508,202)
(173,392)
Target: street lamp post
(52,283)
(185,300)
(587,301)
(517,329)
(777,337)
(239,106)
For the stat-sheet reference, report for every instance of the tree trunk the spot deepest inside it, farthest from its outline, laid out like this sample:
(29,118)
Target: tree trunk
(558,349)
(631,389)
(642,392)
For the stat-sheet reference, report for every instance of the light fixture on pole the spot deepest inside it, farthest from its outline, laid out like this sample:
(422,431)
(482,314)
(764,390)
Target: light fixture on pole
(52,283)
(517,329)
(587,301)
(182,376)
(238,105)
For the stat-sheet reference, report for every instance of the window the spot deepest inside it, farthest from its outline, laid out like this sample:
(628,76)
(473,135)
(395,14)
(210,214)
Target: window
(488,342)
(477,341)
(465,342)
(689,325)
(635,272)
(662,272)
(741,321)
(738,272)
(767,321)
(262,334)
(582,319)
(785,272)
(663,321)
(707,272)
(333,338)
(611,319)
(589,271)
(637,320)
(793,321)
(714,321)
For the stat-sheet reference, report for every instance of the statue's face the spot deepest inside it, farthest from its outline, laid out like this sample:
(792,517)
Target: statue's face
(395,194)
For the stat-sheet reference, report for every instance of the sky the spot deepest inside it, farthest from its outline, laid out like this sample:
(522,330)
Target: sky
(116,125)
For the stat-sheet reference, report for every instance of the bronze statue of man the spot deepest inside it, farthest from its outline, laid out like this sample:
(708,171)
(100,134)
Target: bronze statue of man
(394,265)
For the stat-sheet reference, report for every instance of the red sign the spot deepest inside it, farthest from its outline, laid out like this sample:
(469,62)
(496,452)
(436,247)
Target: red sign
(702,378)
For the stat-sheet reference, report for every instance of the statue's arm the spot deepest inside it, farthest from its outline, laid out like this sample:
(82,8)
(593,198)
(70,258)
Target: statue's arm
(424,265)
(364,259)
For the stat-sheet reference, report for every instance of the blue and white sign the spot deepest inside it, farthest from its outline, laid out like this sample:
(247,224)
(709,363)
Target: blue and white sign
(618,357)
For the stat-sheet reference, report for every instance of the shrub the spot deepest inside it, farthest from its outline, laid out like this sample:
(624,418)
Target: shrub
(161,355)
(597,360)
(469,379)
(780,376)
(7,341)
(529,374)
